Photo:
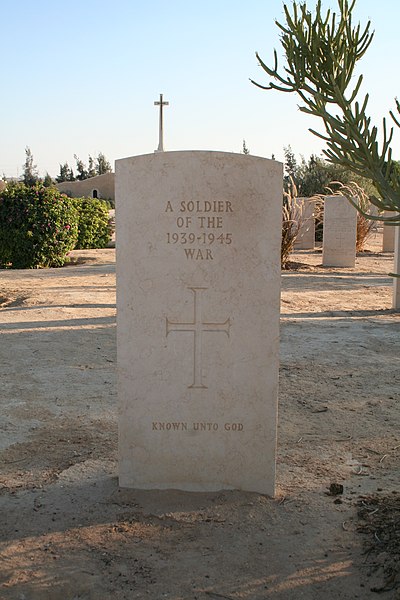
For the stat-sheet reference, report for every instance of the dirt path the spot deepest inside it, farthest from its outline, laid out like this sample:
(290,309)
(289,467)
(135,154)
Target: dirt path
(66,530)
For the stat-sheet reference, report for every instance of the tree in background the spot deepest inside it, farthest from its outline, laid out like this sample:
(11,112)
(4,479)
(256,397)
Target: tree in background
(66,174)
(92,168)
(102,165)
(316,175)
(321,55)
(97,166)
(31,176)
(290,169)
(81,169)
(48,180)
(245,149)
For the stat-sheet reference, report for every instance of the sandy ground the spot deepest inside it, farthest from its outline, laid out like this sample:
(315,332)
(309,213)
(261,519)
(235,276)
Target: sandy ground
(68,532)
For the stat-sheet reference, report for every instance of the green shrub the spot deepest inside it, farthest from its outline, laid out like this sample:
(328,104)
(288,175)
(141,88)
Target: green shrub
(109,203)
(38,227)
(94,224)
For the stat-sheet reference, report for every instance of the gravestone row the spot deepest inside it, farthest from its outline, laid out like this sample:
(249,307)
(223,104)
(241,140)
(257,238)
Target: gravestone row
(198,291)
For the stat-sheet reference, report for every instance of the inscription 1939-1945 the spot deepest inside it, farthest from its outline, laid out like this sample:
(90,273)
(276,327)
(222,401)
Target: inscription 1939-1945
(199,226)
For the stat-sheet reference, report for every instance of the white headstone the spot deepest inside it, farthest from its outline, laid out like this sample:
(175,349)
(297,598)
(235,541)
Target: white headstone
(306,237)
(388,237)
(340,232)
(198,280)
(396,268)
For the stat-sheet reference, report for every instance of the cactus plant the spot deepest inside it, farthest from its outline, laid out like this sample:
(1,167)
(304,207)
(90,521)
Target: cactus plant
(321,53)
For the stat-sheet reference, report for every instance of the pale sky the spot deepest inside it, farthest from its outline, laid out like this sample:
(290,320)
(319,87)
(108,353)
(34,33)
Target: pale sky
(81,78)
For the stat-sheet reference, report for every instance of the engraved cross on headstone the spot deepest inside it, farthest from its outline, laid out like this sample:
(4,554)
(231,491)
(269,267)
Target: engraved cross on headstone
(198,327)
(161,103)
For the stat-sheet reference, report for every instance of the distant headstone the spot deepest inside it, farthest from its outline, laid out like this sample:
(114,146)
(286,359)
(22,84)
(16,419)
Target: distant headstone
(388,237)
(306,237)
(340,232)
(198,280)
(396,268)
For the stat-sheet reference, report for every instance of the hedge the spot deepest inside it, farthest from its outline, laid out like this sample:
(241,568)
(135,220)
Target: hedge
(38,227)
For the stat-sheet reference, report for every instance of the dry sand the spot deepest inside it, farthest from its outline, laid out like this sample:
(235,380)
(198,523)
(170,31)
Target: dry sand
(68,532)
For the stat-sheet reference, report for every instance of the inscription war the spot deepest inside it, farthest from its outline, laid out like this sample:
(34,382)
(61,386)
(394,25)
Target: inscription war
(198,227)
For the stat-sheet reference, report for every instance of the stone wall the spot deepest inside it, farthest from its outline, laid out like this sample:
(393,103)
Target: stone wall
(101,186)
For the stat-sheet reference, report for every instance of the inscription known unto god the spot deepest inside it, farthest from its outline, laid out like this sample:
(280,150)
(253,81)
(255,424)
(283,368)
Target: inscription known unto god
(199,426)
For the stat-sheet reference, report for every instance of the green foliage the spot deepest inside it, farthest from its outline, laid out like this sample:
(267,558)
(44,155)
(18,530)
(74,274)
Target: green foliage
(66,174)
(102,165)
(315,176)
(48,181)
(30,176)
(290,169)
(92,172)
(94,225)
(245,149)
(38,227)
(82,171)
(109,203)
(97,166)
(321,54)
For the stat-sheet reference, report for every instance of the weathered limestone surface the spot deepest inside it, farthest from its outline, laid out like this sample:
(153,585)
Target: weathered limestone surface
(198,280)
(396,269)
(388,238)
(340,231)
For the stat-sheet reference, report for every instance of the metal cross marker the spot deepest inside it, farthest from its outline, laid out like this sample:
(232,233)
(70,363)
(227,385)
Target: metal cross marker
(198,327)
(161,103)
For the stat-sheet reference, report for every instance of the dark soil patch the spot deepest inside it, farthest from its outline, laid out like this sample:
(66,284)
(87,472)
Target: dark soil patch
(380,523)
